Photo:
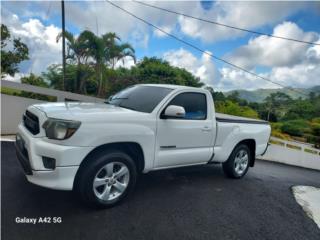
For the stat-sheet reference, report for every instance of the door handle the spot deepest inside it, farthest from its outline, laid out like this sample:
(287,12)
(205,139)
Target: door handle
(206,129)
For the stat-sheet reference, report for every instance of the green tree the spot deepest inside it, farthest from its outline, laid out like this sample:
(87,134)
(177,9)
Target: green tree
(151,70)
(232,108)
(77,53)
(300,109)
(274,103)
(235,97)
(114,51)
(99,52)
(312,96)
(296,127)
(316,106)
(11,57)
(104,51)
(95,46)
(35,81)
(86,73)
(217,96)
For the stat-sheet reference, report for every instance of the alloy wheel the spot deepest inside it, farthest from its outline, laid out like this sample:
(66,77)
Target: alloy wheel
(241,162)
(111,181)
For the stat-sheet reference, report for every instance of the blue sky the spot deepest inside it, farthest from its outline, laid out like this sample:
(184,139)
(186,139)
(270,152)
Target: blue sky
(291,64)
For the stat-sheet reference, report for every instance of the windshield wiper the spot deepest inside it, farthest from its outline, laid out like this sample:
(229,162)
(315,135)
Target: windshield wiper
(119,98)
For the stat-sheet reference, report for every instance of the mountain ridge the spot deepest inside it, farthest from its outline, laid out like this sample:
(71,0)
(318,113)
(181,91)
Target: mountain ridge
(260,94)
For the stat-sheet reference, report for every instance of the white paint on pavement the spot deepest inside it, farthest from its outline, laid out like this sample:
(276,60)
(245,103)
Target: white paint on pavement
(309,199)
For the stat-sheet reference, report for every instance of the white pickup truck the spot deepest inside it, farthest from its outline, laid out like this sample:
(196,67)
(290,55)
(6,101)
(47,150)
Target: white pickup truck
(98,149)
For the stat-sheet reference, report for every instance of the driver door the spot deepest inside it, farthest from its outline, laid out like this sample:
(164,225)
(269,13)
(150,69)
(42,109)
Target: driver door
(187,140)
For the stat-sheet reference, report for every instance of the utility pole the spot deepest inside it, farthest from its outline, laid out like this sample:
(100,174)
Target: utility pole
(63,46)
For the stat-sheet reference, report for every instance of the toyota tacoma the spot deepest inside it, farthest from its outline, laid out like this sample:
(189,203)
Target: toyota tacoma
(99,149)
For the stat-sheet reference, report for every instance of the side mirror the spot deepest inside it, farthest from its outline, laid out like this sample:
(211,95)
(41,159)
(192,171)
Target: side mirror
(174,111)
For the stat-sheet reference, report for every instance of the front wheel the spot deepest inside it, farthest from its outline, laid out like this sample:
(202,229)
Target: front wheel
(106,179)
(238,163)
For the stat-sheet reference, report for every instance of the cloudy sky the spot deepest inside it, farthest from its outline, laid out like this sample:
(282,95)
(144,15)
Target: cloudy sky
(294,64)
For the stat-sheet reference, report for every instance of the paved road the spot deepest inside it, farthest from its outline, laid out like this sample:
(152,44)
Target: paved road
(189,203)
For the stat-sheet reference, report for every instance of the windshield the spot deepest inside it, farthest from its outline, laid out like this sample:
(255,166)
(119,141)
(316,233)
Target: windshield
(140,98)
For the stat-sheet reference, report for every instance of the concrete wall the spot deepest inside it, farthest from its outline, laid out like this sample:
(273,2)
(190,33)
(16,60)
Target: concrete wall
(293,153)
(60,95)
(13,107)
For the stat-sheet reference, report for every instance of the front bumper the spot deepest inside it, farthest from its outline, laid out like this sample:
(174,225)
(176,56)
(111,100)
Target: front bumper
(30,152)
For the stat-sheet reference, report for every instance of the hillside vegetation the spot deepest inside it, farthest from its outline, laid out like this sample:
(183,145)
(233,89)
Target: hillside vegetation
(259,95)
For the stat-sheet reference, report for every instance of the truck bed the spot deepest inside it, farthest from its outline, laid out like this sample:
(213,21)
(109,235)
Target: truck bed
(220,117)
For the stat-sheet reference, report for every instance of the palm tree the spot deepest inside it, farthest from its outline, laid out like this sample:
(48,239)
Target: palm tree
(95,49)
(76,52)
(106,51)
(100,52)
(114,51)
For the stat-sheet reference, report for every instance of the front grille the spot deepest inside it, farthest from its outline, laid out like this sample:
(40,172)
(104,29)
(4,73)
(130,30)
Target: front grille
(31,122)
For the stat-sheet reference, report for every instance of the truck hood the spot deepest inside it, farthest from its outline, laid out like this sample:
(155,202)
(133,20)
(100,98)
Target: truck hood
(84,111)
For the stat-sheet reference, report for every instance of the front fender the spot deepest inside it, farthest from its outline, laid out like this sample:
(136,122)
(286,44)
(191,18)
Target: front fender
(96,134)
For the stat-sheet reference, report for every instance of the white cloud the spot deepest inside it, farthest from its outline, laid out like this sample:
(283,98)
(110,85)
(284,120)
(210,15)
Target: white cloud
(249,15)
(126,62)
(16,78)
(203,67)
(160,34)
(302,75)
(41,42)
(138,38)
(291,64)
(313,53)
(271,52)
(100,16)
(237,79)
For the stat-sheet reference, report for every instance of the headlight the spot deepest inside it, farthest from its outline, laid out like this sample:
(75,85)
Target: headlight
(60,129)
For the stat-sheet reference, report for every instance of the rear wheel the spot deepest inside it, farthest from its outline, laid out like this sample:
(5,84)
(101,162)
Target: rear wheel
(238,163)
(106,178)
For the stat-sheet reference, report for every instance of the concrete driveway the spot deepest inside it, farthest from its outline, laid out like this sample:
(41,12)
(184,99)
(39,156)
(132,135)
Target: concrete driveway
(188,203)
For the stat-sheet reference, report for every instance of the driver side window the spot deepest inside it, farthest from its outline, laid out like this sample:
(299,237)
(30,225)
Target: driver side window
(195,105)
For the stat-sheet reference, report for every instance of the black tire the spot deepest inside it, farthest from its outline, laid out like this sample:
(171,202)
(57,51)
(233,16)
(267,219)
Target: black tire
(83,186)
(229,167)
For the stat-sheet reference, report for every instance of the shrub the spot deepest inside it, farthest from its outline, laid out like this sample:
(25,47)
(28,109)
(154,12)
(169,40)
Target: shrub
(315,128)
(278,134)
(229,107)
(276,125)
(296,127)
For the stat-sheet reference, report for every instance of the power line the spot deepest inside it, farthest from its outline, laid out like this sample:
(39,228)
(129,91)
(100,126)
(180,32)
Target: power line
(225,25)
(200,50)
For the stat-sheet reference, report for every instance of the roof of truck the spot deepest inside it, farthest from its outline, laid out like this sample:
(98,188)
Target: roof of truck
(171,86)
